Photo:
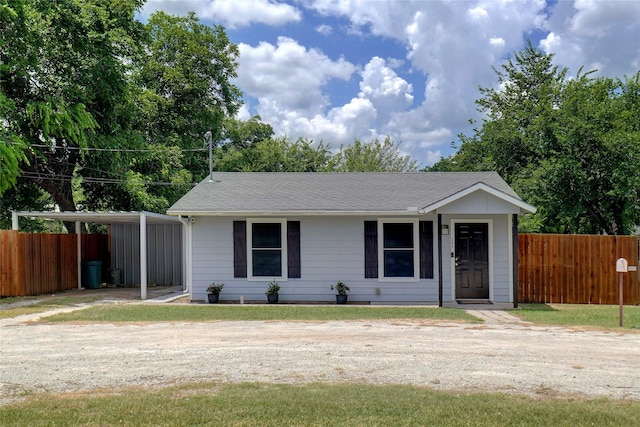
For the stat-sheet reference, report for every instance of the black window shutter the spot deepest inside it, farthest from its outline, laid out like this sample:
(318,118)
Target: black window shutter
(370,249)
(426,249)
(294,270)
(239,249)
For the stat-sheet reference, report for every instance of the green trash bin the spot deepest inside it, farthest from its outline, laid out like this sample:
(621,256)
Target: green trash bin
(115,276)
(91,274)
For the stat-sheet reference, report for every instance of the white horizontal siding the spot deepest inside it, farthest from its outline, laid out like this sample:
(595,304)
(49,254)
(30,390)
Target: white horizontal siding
(479,202)
(331,248)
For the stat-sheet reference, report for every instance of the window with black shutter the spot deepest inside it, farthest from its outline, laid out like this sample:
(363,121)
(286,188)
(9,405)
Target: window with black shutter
(261,252)
(426,249)
(371,249)
(399,242)
(239,249)
(294,267)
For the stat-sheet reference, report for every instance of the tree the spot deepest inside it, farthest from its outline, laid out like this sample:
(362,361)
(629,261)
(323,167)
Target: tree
(568,146)
(241,134)
(92,96)
(283,155)
(275,155)
(62,79)
(589,183)
(471,156)
(181,88)
(373,156)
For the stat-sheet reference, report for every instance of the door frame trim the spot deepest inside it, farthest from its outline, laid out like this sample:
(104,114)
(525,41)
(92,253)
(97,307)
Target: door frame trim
(452,227)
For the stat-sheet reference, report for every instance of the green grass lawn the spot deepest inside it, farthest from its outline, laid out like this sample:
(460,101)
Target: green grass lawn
(252,404)
(598,316)
(42,306)
(211,312)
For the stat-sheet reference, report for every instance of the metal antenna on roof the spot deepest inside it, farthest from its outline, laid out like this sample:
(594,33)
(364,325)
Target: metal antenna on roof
(209,140)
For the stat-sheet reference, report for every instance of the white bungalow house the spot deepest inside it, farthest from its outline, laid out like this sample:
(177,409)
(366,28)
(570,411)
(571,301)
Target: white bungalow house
(393,238)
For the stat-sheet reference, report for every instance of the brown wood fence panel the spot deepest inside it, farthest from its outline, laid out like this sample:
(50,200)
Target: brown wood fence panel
(36,264)
(575,269)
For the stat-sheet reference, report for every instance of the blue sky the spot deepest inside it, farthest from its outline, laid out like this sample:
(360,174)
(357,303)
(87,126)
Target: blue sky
(337,70)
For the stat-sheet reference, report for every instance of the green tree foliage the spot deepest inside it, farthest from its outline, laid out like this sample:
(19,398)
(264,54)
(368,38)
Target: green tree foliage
(589,181)
(283,155)
(275,155)
(62,80)
(180,89)
(88,94)
(568,146)
(241,134)
(374,156)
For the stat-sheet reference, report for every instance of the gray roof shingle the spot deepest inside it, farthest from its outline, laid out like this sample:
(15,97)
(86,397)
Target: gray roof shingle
(242,192)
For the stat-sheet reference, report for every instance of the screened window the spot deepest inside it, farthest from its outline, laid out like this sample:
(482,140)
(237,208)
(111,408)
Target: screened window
(398,249)
(404,248)
(266,249)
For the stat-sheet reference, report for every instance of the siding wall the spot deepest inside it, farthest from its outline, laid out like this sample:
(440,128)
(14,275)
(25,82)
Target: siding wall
(332,249)
(164,253)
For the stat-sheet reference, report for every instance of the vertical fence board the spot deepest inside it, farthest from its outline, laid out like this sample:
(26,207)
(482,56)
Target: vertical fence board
(575,269)
(10,277)
(36,264)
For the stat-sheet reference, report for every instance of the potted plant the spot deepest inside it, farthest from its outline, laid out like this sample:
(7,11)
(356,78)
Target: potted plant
(272,292)
(214,292)
(341,289)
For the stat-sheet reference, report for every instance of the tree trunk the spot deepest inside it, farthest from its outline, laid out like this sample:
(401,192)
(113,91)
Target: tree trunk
(62,195)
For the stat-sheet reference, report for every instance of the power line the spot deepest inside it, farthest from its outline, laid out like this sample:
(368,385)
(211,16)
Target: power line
(122,150)
(97,180)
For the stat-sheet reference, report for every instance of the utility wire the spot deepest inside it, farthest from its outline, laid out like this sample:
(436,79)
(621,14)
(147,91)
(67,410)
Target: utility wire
(97,180)
(124,150)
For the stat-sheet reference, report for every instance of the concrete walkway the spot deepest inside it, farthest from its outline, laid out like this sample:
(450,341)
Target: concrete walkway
(496,317)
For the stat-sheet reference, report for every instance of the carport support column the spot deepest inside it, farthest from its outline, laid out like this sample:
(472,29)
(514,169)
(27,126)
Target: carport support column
(440,273)
(514,234)
(79,251)
(143,256)
(189,257)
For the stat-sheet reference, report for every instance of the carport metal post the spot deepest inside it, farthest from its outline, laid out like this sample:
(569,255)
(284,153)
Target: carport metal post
(143,256)
(79,250)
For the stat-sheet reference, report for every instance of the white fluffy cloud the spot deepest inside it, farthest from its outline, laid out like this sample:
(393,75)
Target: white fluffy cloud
(289,76)
(452,45)
(601,35)
(386,90)
(288,81)
(230,13)
(425,95)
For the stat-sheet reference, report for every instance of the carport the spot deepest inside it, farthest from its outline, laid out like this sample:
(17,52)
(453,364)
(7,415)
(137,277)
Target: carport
(141,219)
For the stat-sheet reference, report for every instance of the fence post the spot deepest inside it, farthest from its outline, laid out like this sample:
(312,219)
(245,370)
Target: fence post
(621,268)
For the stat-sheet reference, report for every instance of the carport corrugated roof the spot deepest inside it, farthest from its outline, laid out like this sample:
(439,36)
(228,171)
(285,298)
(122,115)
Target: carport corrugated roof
(102,217)
(142,218)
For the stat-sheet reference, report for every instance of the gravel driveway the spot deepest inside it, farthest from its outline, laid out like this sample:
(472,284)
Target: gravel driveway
(500,355)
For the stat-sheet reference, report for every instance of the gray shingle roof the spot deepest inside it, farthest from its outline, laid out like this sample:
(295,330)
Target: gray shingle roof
(240,192)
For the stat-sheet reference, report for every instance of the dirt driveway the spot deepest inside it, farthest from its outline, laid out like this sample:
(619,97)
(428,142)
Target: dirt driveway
(497,356)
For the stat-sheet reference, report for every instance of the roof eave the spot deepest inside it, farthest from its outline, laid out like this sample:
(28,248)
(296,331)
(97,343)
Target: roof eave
(524,207)
(293,213)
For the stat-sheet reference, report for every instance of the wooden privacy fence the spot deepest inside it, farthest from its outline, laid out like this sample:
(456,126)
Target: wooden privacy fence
(35,264)
(575,269)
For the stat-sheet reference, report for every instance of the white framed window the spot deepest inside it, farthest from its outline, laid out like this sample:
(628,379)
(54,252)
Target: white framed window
(398,249)
(267,248)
